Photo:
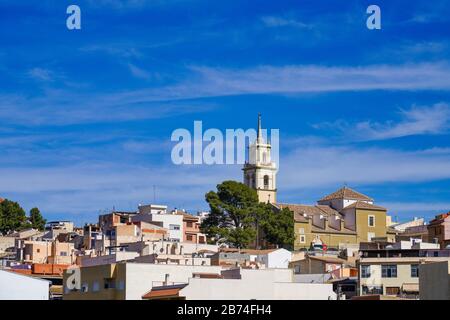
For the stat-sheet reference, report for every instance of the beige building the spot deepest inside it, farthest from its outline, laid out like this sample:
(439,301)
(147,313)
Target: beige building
(52,252)
(342,218)
(439,230)
(434,281)
(395,272)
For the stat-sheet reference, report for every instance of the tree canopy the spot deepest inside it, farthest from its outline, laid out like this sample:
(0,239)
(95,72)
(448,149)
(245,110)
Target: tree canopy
(12,217)
(236,213)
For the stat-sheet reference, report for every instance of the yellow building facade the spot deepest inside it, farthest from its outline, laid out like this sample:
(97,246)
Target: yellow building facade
(345,217)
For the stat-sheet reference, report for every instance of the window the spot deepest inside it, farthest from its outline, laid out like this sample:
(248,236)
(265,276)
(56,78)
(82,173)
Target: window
(63,253)
(297,269)
(84,287)
(414,271)
(371,221)
(110,283)
(95,286)
(189,224)
(189,237)
(121,285)
(372,290)
(365,271)
(389,271)
(392,291)
(174,226)
(301,230)
(38,250)
(266,182)
(302,238)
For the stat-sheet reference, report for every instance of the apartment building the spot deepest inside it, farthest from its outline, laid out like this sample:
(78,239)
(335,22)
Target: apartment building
(439,230)
(395,272)
(191,227)
(52,252)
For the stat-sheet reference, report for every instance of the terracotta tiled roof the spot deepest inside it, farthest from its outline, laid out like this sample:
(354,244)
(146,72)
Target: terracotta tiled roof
(365,205)
(329,230)
(256,252)
(328,259)
(163,292)
(439,219)
(299,210)
(346,193)
(187,216)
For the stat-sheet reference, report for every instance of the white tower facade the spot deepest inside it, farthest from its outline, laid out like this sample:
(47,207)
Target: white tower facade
(260,173)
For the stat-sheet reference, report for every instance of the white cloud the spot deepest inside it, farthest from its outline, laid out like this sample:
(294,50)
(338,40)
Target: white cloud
(418,120)
(318,166)
(271,21)
(138,72)
(41,74)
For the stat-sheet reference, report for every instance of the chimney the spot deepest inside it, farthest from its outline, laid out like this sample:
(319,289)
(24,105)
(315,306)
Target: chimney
(166,279)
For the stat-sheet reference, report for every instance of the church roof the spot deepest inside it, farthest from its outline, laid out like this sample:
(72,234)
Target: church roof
(365,205)
(346,193)
(299,210)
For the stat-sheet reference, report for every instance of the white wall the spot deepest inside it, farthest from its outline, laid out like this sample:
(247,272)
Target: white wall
(107,259)
(167,220)
(276,259)
(140,277)
(15,286)
(256,284)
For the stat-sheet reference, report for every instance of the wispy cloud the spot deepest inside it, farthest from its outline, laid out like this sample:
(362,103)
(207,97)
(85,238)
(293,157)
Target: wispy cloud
(138,72)
(418,120)
(315,166)
(41,74)
(271,21)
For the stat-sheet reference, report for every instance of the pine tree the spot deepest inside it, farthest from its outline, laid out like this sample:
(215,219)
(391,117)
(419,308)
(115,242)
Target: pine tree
(12,217)
(37,220)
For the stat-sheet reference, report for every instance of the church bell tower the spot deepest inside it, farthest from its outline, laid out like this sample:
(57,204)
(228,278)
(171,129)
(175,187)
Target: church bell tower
(259,171)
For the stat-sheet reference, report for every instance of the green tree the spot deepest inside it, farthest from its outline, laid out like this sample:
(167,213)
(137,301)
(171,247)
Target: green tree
(278,226)
(12,217)
(37,220)
(232,216)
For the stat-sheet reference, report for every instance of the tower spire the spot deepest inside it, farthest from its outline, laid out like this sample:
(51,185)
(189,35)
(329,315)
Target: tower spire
(259,127)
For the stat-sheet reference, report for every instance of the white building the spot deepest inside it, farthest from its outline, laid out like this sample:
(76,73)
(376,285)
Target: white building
(245,284)
(158,213)
(15,286)
(278,258)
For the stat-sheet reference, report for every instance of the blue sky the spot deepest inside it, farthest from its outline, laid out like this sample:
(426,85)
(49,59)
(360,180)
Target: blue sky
(86,116)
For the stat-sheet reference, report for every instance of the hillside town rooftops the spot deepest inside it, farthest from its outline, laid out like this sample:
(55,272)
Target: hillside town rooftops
(346,193)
